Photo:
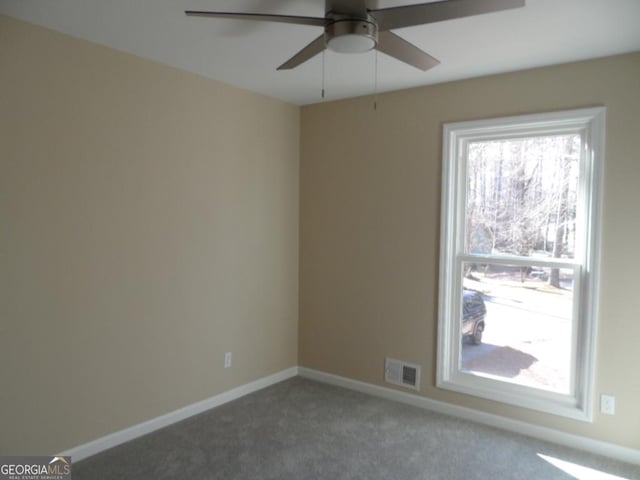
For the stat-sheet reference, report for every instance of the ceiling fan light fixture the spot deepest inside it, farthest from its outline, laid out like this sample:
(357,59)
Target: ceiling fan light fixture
(351,36)
(351,43)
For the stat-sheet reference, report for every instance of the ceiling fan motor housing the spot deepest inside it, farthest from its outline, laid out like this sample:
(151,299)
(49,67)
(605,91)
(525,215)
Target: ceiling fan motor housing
(351,35)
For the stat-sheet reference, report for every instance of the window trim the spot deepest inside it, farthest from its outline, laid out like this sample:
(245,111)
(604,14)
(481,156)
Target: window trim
(590,122)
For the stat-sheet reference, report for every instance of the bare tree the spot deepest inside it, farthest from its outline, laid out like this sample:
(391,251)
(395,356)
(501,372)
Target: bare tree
(521,196)
(562,213)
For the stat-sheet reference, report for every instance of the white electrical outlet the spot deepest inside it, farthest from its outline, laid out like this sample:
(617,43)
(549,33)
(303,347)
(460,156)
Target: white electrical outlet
(608,404)
(227,360)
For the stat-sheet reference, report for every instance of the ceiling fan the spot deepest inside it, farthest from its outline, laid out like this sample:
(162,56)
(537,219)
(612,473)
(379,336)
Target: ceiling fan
(351,27)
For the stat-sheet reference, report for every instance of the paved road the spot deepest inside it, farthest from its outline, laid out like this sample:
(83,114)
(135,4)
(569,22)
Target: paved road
(552,306)
(523,344)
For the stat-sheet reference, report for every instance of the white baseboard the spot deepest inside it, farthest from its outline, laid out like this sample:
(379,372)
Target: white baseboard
(108,441)
(611,450)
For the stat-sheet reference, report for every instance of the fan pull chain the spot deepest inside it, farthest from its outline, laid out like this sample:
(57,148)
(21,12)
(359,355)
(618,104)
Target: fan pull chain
(375,83)
(323,62)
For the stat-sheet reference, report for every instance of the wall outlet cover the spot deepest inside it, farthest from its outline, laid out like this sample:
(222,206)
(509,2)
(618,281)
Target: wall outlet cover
(227,359)
(608,404)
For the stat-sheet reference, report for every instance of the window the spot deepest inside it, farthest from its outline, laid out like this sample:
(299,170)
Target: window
(519,259)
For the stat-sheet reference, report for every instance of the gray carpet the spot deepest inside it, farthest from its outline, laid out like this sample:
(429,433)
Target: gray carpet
(300,429)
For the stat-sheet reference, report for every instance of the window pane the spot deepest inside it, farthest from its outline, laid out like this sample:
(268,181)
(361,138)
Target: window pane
(522,196)
(516,327)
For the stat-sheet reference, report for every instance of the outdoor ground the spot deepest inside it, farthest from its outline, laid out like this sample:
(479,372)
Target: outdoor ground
(527,338)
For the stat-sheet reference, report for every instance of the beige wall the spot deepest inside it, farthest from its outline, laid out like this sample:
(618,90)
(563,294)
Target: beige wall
(370,200)
(148,224)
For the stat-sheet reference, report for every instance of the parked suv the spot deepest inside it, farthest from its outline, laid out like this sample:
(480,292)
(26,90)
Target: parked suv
(473,313)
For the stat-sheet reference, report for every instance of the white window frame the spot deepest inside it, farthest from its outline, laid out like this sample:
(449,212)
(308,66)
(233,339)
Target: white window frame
(590,124)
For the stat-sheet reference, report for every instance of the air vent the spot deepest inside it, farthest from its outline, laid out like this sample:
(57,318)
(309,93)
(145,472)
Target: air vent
(402,373)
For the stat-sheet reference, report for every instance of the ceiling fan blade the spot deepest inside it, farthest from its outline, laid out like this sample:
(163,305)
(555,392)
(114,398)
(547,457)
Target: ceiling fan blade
(356,8)
(314,21)
(308,52)
(406,52)
(410,15)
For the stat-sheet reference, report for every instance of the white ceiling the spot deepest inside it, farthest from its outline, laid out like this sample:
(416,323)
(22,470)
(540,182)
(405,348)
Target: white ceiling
(246,54)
